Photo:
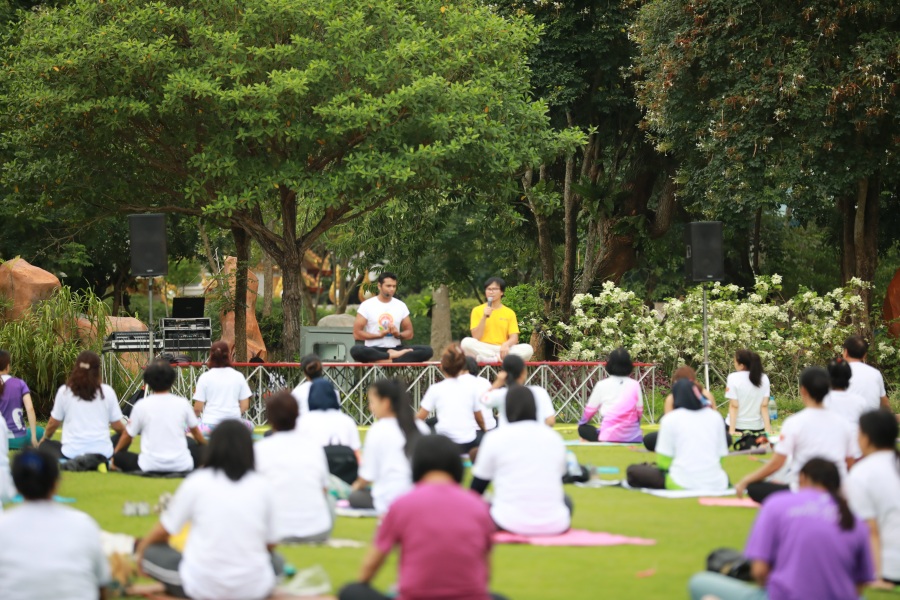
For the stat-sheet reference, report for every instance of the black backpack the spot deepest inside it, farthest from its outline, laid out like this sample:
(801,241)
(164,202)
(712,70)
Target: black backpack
(730,563)
(342,463)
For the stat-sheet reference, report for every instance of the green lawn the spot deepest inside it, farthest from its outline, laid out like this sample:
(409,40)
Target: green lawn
(685,533)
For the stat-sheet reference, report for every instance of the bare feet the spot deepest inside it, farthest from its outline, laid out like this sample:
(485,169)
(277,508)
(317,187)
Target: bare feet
(395,354)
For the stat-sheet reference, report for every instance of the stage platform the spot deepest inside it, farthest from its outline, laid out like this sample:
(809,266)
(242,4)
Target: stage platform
(569,383)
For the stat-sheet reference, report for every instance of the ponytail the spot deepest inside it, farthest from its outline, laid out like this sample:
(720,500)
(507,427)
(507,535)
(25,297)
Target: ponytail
(311,366)
(401,404)
(825,473)
(4,363)
(753,363)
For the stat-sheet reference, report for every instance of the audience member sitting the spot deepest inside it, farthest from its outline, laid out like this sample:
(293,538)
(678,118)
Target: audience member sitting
(873,491)
(845,403)
(385,474)
(297,471)
(867,381)
(332,430)
(526,462)
(748,391)
(15,402)
(311,365)
(692,443)
(480,386)
(48,550)
(231,512)
(802,545)
(495,328)
(222,392)
(620,402)
(811,433)
(161,419)
(7,489)
(514,372)
(455,403)
(682,372)
(445,557)
(88,407)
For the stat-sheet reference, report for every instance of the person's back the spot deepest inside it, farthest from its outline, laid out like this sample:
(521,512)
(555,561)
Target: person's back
(867,382)
(480,386)
(695,441)
(542,402)
(86,422)
(161,420)
(815,433)
(384,462)
(454,403)
(850,406)
(329,428)
(873,491)
(749,397)
(620,403)
(12,404)
(221,389)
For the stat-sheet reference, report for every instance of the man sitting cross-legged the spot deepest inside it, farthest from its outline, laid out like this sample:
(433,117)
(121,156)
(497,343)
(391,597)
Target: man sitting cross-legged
(160,419)
(495,328)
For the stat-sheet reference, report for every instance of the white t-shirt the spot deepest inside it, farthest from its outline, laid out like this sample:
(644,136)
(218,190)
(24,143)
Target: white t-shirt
(543,403)
(301,395)
(297,471)
(86,422)
(610,390)
(160,420)
(749,398)
(815,433)
(7,489)
(50,551)
(695,440)
(873,491)
(481,386)
(225,557)
(850,407)
(222,390)
(454,403)
(384,462)
(526,461)
(867,382)
(381,316)
(329,428)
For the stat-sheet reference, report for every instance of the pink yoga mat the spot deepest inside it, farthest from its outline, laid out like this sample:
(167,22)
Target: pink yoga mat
(743,502)
(573,537)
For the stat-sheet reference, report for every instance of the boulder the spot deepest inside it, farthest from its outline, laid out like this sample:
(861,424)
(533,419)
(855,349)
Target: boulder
(23,284)
(344,320)
(255,344)
(891,309)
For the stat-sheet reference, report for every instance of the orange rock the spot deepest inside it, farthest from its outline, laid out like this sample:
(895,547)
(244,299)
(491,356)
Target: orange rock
(255,344)
(891,309)
(24,284)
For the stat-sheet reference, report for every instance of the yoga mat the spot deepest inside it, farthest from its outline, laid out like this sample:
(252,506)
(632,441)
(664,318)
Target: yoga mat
(583,443)
(600,483)
(358,513)
(735,502)
(674,494)
(607,470)
(18,499)
(573,537)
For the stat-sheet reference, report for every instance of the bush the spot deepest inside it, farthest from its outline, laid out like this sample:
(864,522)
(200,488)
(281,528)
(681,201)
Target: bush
(528,306)
(461,315)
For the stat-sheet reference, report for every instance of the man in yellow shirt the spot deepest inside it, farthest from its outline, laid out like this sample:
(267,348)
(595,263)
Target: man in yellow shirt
(495,328)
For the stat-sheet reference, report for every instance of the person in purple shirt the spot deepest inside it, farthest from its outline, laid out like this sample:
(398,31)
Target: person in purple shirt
(804,544)
(15,402)
(447,557)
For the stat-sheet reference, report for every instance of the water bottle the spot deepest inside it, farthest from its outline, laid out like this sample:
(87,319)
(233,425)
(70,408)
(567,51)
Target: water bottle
(572,466)
(773,409)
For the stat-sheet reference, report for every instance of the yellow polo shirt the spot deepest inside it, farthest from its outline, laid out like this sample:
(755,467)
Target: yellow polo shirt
(498,327)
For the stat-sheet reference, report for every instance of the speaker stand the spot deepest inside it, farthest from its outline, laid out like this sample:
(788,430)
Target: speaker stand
(705,340)
(150,315)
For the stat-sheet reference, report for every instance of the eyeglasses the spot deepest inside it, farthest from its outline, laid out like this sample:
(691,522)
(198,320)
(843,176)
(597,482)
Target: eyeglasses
(492,289)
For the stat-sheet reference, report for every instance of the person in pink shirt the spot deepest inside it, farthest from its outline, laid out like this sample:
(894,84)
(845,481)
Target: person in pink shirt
(440,558)
(619,401)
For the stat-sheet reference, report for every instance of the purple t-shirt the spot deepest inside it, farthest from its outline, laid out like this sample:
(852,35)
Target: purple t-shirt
(11,406)
(809,555)
(444,533)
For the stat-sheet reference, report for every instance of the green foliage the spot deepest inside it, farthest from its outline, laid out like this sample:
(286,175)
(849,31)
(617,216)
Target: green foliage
(45,342)
(461,315)
(183,273)
(528,306)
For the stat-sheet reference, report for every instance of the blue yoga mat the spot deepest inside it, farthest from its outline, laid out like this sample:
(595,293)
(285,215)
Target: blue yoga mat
(18,499)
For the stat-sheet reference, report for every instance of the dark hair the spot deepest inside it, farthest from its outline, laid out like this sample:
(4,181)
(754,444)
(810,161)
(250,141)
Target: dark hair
(501,283)
(395,391)
(322,395)
(520,404)
(35,473)
(230,449)
(686,394)
(753,364)
(85,378)
(311,366)
(816,383)
(856,346)
(436,453)
(619,363)
(514,366)
(159,375)
(4,363)
(387,275)
(684,372)
(840,373)
(471,365)
(880,426)
(825,473)
(453,360)
(282,411)
(219,355)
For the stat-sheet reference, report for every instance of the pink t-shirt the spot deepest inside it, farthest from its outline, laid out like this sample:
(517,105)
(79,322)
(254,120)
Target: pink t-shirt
(444,534)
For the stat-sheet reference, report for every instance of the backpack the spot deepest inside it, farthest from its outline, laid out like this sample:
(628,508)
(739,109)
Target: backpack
(730,563)
(342,463)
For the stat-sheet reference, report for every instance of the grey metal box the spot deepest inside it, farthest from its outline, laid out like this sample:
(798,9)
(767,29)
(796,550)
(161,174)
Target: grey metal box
(331,344)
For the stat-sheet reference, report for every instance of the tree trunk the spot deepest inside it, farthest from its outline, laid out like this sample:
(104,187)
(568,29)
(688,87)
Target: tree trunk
(242,253)
(545,241)
(268,283)
(757,233)
(570,227)
(309,305)
(441,331)
(860,215)
(207,249)
(292,303)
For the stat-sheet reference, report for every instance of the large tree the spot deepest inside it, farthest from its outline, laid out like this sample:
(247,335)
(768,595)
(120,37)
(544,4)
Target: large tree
(306,113)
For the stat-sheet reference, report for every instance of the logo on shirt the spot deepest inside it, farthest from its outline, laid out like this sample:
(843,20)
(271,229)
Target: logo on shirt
(385,322)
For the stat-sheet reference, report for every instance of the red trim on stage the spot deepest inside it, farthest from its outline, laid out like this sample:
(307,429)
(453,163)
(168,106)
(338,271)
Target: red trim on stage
(421,364)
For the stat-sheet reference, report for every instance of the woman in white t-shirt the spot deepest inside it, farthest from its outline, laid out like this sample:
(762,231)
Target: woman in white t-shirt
(231,511)
(311,365)
(526,462)
(222,392)
(481,386)
(324,423)
(48,550)
(455,403)
(88,408)
(297,469)
(840,399)
(748,391)
(385,474)
(873,491)
(514,372)
(620,402)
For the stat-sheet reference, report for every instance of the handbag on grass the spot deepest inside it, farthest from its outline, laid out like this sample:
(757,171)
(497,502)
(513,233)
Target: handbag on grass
(729,562)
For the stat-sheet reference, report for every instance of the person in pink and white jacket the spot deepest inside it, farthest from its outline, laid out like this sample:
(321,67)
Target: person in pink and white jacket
(620,402)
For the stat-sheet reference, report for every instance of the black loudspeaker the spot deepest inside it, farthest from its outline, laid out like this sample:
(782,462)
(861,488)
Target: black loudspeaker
(148,245)
(705,257)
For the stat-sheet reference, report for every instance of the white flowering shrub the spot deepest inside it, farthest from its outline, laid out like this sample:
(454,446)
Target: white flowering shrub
(789,335)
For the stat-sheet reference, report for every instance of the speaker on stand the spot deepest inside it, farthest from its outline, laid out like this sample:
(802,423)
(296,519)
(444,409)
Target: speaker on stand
(148,254)
(705,261)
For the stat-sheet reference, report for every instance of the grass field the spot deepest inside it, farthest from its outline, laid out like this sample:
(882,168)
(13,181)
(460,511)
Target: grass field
(685,533)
